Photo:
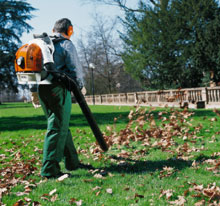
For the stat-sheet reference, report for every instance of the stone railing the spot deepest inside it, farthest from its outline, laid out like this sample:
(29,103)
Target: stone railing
(202,97)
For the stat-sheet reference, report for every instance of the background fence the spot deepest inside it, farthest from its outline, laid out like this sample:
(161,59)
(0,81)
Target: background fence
(10,96)
(203,97)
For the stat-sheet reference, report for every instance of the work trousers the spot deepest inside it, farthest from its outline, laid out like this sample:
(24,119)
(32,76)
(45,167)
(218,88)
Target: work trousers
(56,102)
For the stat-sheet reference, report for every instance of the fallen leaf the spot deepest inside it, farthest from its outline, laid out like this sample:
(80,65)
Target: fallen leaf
(196,195)
(88,180)
(19,203)
(97,193)
(52,192)
(137,195)
(214,119)
(63,177)
(28,189)
(127,188)
(27,199)
(186,192)
(2,190)
(96,188)
(45,198)
(109,191)
(36,203)
(54,198)
(198,187)
(109,128)
(110,174)
(18,194)
(200,203)
(98,176)
(180,202)
(72,200)
(45,195)
(168,193)
(79,203)
(130,114)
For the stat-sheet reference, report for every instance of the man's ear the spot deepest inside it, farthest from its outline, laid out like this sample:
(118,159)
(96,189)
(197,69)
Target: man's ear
(70,31)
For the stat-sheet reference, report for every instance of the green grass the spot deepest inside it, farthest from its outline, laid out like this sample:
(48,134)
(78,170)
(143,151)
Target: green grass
(137,174)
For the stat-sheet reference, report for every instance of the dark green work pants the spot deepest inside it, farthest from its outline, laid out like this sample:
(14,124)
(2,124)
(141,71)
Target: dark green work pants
(56,102)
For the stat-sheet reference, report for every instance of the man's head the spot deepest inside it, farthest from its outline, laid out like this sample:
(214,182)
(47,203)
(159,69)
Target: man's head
(63,26)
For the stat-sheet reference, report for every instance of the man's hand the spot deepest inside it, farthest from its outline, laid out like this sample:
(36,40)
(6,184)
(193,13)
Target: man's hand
(35,100)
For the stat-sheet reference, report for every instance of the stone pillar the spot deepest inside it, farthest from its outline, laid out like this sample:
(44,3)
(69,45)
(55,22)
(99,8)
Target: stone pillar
(205,95)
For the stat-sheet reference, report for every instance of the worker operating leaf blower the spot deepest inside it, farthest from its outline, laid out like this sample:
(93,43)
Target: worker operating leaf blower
(47,62)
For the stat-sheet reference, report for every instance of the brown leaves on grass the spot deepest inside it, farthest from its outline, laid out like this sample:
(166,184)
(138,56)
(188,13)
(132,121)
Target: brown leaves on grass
(26,202)
(74,201)
(167,193)
(51,197)
(15,173)
(215,165)
(216,111)
(179,202)
(212,192)
(166,172)
(152,131)
(169,131)
(144,127)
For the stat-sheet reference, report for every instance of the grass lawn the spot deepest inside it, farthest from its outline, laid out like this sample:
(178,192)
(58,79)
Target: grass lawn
(157,156)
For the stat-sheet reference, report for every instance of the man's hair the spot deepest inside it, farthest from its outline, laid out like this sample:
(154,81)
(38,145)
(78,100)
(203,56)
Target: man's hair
(62,25)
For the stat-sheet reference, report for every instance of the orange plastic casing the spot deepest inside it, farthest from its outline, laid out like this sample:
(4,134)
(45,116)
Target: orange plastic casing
(32,58)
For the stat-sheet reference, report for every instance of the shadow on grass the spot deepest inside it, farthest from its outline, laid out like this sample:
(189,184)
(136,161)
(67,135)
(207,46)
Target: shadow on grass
(138,166)
(14,123)
(202,158)
(14,105)
(197,112)
(203,113)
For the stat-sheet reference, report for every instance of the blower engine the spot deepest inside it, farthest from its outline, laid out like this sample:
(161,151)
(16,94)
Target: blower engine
(31,58)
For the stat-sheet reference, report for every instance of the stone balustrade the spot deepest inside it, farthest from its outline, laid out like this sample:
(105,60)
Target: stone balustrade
(202,97)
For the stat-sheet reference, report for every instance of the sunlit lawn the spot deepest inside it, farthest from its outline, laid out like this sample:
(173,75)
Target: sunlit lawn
(183,169)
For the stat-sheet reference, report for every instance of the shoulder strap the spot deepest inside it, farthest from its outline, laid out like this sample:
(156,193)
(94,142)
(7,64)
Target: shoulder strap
(57,39)
(45,37)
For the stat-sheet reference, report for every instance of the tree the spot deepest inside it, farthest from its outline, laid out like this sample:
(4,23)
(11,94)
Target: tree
(103,49)
(13,17)
(164,46)
(207,39)
(171,43)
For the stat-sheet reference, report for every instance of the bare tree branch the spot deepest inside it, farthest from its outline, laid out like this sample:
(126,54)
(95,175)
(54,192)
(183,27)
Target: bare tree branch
(102,47)
(119,3)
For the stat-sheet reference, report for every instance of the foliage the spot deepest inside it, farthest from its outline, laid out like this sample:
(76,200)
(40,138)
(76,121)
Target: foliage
(13,22)
(172,43)
(157,157)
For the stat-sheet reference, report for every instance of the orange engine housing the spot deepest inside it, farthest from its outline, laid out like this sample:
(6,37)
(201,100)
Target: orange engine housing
(28,59)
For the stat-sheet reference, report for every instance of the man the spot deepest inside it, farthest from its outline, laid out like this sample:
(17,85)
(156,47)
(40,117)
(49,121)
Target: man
(56,102)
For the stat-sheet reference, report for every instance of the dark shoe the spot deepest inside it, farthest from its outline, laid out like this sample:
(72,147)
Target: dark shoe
(72,168)
(85,166)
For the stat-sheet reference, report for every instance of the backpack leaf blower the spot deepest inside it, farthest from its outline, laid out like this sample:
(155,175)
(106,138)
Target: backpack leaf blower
(34,63)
